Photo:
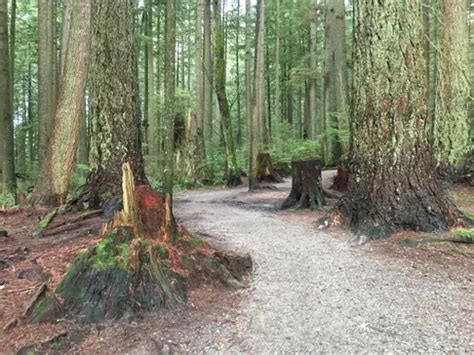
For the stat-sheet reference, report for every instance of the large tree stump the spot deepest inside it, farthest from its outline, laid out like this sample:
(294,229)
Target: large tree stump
(265,172)
(141,263)
(306,188)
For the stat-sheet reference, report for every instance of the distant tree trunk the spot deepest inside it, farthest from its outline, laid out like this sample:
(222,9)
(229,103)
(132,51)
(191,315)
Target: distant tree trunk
(207,73)
(7,156)
(169,112)
(277,113)
(247,64)
(148,73)
(451,125)
(393,183)
(233,171)
(335,87)
(115,118)
(268,121)
(313,64)
(200,76)
(237,69)
(56,171)
(31,130)
(83,148)
(65,26)
(258,107)
(46,73)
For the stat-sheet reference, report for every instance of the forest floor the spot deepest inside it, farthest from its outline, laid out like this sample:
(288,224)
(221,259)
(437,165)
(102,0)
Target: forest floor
(311,290)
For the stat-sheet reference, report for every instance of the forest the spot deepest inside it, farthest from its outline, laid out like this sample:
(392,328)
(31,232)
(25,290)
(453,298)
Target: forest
(236,176)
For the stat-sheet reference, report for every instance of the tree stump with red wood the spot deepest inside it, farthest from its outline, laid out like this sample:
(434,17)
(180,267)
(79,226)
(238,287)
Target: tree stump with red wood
(306,188)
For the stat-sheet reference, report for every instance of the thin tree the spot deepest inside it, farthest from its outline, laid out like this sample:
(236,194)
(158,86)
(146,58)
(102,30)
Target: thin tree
(258,93)
(169,111)
(7,157)
(57,169)
(233,171)
(335,86)
(46,73)
(393,184)
(207,73)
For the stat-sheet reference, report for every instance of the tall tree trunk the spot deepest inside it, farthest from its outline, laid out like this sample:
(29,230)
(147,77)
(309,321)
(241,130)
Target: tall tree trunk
(31,130)
(169,112)
(200,75)
(56,171)
(451,125)
(237,79)
(247,64)
(277,113)
(258,107)
(393,183)
(7,156)
(207,73)
(83,147)
(46,74)
(335,87)
(148,73)
(65,26)
(115,118)
(313,65)
(233,171)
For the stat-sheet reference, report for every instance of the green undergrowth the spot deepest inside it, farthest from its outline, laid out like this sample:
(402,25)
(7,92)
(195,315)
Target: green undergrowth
(464,233)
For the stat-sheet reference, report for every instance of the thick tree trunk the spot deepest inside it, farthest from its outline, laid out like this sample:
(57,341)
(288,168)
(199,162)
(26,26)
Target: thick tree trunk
(451,123)
(148,73)
(115,119)
(56,171)
(306,189)
(393,183)
(277,113)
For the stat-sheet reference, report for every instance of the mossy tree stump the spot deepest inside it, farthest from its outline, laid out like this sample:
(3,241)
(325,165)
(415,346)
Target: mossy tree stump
(265,172)
(141,263)
(306,188)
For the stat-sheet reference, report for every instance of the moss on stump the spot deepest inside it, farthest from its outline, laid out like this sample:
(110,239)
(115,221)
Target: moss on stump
(120,276)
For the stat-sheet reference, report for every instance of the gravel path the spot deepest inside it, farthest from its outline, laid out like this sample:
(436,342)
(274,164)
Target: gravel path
(312,291)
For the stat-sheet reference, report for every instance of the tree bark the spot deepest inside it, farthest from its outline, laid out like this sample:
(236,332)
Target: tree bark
(46,74)
(393,183)
(335,87)
(233,171)
(7,158)
(207,74)
(56,171)
(258,106)
(115,119)
(451,123)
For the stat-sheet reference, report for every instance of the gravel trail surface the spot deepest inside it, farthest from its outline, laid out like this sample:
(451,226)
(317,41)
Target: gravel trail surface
(312,291)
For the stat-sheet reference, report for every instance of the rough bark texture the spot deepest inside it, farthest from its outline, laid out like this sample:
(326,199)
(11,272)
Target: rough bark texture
(335,87)
(306,189)
(451,122)
(56,171)
(46,73)
(7,162)
(115,129)
(393,183)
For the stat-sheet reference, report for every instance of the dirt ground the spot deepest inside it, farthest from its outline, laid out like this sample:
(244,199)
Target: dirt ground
(312,288)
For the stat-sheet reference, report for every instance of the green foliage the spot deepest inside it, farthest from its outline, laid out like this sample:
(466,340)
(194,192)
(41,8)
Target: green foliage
(464,233)
(46,220)
(7,200)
